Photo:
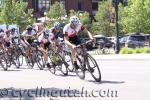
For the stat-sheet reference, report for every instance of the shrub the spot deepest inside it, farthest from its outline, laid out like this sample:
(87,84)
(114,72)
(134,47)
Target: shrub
(136,51)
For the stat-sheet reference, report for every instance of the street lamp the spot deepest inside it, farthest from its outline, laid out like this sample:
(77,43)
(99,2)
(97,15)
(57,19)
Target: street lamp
(115,4)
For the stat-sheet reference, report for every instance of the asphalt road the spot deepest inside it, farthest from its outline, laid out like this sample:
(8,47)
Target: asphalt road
(121,80)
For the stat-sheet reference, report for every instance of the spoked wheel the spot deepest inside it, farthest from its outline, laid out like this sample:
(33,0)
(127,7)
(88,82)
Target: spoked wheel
(16,61)
(58,62)
(68,59)
(29,62)
(4,63)
(93,68)
(21,59)
(40,60)
(80,71)
(52,69)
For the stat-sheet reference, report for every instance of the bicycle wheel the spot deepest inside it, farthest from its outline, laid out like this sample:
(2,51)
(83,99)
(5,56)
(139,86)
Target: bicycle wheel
(68,59)
(20,59)
(29,62)
(59,62)
(16,61)
(93,68)
(80,71)
(4,63)
(40,60)
(20,56)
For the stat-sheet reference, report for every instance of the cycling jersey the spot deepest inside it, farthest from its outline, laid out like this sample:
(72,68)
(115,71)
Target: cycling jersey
(73,33)
(29,37)
(57,35)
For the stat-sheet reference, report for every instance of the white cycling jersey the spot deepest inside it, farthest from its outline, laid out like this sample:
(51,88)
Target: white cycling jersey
(25,33)
(72,32)
(8,38)
(41,37)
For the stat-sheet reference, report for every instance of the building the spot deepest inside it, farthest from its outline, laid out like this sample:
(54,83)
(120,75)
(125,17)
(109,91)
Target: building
(40,6)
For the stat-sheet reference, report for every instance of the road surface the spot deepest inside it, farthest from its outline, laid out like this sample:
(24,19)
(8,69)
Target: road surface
(121,80)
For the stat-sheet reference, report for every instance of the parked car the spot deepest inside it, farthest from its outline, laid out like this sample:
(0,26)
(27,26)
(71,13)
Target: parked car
(112,39)
(102,41)
(134,40)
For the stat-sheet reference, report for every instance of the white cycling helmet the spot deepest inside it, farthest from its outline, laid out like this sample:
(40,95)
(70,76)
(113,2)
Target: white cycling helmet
(57,25)
(74,20)
(46,31)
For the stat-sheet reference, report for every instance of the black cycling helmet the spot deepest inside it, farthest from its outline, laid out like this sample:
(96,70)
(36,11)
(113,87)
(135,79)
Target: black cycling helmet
(13,30)
(29,28)
(1,30)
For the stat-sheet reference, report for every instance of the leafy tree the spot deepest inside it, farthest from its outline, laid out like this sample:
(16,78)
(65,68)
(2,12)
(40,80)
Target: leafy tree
(57,12)
(136,16)
(103,25)
(14,12)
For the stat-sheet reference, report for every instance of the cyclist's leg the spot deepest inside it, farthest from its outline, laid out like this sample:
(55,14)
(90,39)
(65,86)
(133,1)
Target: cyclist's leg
(44,50)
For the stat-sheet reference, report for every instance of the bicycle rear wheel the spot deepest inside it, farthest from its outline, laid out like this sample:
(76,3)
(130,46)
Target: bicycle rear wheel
(40,60)
(68,59)
(4,63)
(58,62)
(93,68)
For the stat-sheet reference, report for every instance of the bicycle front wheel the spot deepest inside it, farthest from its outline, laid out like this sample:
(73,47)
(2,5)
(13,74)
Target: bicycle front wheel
(80,71)
(93,68)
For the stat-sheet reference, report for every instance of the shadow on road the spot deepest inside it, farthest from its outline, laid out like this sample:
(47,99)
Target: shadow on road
(11,70)
(107,82)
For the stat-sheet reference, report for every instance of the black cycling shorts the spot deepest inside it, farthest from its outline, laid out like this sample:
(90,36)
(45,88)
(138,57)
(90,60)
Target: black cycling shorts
(30,41)
(7,44)
(75,40)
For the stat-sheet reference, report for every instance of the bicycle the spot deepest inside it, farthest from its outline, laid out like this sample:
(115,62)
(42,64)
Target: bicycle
(85,62)
(35,57)
(57,61)
(4,63)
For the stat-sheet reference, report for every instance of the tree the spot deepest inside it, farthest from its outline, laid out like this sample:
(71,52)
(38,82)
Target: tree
(136,16)
(15,12)
(56,11)
(103,16)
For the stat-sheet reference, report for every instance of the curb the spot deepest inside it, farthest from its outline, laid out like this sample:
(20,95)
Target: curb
(123,57)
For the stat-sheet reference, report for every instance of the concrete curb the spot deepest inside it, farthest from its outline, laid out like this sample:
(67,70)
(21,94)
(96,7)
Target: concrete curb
(123,57)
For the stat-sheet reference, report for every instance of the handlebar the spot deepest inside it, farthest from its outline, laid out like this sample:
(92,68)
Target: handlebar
(83,44)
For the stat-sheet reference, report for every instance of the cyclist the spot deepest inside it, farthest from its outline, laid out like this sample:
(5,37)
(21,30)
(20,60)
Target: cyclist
(28,37)
(8,38)
(15,36)
(1,39)
(44,42)
(57,32)
(71,31)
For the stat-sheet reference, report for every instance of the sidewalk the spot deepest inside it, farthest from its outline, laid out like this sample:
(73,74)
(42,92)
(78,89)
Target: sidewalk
(123,57)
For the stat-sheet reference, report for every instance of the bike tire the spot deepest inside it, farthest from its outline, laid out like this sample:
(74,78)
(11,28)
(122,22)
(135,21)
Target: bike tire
(60,64)
(80,72)
(40,60)
(96,67)
(4,63)
(68,59)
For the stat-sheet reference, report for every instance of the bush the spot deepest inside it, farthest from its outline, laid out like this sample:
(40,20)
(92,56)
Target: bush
(124,51)
(138,50)
(135,51)
(146,50)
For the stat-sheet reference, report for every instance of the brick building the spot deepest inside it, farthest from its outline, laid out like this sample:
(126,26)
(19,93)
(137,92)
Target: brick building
(41,6)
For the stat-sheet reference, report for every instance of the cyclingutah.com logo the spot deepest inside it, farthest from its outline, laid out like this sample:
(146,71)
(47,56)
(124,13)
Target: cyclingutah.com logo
(54,92)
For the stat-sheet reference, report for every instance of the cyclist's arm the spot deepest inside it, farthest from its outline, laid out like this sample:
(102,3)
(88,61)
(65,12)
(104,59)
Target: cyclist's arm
(25,40)
(66,40)
(88,33)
